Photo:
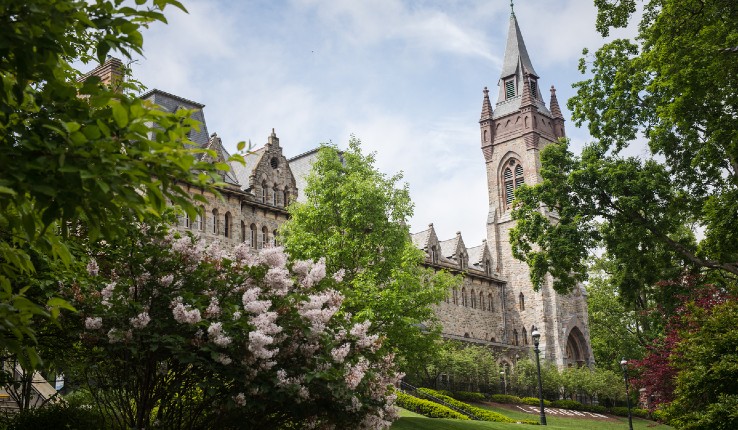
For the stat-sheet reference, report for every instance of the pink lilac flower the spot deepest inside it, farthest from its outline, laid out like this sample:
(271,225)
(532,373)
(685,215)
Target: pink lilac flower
(340,353)
(213,309)
(279,281)
(356,373)
(141,320)
(338,276)
(166,280)
(92,268)
(93,323)
(240,400)
(223,359)
(185,314)
(274,256)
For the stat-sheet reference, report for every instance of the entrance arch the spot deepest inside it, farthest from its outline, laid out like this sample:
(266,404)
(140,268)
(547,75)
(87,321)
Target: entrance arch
(576,348)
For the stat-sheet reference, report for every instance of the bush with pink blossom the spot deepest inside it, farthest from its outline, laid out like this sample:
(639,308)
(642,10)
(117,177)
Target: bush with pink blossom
(179,333)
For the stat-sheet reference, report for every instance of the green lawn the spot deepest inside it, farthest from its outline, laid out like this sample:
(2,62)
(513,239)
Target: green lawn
(412,421)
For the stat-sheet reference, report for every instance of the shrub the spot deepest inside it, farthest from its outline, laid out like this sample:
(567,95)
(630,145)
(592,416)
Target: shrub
(60,416)
(534,401)
(623,412)
(426,407)
(466,396)
(567,404)
(660,415)
(505,398)
(481,414)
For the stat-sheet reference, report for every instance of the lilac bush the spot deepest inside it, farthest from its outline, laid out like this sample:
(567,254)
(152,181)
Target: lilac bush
(179,333)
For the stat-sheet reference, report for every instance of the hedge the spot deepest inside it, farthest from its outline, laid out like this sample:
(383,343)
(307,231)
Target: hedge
(623,412)
(426,407)
(505,398)
(481,414)
(466,396)
(534,401)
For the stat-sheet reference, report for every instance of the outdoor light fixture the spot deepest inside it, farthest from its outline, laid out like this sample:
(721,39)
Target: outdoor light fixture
(624,366)
(503,386)
(537,338)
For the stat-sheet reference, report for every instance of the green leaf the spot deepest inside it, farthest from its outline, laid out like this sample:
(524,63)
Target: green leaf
(120,114)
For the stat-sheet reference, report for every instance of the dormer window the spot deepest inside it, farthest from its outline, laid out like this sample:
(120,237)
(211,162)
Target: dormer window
(533,88)
(509,89)
(433,254)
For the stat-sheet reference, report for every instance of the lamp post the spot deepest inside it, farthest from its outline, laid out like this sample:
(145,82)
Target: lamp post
(536,338)
(624,366)
(503,386)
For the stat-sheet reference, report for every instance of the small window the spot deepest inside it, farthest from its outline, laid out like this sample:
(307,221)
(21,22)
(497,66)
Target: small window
(253,235)
(463,297)
(263,192)
(481,301)
(216,227)
(274,162)
(274,196)
(433,254)
(509,89)
(533,89)
(521,300)
(227,225)
(286,196)
(264,237)
(490,306)
(275,241)
(473,299)
(187,222)
(456,296)
(525,337)
(243,231)
(515,337)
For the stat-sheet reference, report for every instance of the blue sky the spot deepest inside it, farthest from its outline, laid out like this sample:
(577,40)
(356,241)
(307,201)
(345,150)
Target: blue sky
(406,77)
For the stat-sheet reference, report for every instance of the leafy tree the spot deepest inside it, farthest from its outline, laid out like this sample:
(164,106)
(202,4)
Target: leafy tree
(76,154)
(183,334)
(459,366)
(355,217)
(675,86)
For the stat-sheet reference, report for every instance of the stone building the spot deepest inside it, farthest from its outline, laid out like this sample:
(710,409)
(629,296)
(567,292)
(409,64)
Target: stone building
(496,305)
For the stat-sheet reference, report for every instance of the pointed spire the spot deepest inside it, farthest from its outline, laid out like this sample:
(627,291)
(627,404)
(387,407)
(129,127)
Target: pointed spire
(486,106)
(273,139)
(554,104)
(516,55)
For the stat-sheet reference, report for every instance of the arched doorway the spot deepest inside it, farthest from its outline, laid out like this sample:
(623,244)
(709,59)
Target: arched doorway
(576,348)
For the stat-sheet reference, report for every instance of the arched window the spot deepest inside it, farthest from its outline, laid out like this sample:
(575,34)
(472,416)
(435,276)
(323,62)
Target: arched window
(264,237)
(275,241)
(216,226)
(243,231)
(275,194)
(286,196)
(513,178)
(227,225)
(253,235)
(462,261)
(521,301)
(187,223)
(263,192)
(488,267)
(481,301)
(525,337)
(456,296)
(515,337)
(490,304)
(200,219)
(473,298)
(463,297)
(433,254)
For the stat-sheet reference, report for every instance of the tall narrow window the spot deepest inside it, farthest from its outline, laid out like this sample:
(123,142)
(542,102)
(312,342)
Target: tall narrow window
(433,254)
(525,337)
(286,196)
(488,267)
(187,220)
(490,306)
(198,222)
(512,177)
(456,296)
(275,241)
(227,225)
(533,88)
(216,225)
(243,231)
(263,192)
(473,299)
(521,300)
(509,89)
(264,237)
(515,337)
(275,193)
(481,301)
(463,296)
(253,236)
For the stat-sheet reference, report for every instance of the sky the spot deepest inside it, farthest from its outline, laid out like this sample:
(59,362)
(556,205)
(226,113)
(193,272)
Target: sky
(405,77)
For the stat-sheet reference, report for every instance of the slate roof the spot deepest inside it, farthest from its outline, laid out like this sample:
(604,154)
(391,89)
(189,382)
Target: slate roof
(476,254)
(449,246)
(301,165)
(420,239)
(243,171)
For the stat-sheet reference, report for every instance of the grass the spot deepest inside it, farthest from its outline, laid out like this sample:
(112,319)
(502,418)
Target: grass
(411,421)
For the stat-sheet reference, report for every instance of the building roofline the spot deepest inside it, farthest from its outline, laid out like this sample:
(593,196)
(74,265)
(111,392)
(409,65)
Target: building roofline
(174,96)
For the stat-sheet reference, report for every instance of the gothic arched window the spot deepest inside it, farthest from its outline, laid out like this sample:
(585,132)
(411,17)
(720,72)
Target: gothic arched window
(456,296)
(264,237)
(227,225)
(490,306)
(512,178)
(521,300)
(473,299)
(275,194)
(243,231)
(263,192)
(515,337)
(481,301)
(463,296)
(525,337)
(253,236)
(215,221)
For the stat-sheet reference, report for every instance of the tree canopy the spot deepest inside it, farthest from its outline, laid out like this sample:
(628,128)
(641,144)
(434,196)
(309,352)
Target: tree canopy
(674,86)
(355,217)
(77,155)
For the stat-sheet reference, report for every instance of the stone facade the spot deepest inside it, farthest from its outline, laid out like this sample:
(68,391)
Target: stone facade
(496,305)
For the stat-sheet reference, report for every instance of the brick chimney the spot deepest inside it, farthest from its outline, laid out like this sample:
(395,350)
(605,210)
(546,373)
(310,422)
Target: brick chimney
(110,72)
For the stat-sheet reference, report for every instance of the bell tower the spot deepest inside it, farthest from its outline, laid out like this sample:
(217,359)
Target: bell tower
(512,135)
